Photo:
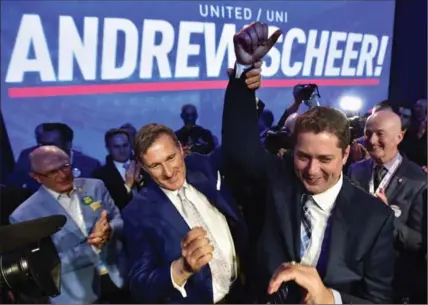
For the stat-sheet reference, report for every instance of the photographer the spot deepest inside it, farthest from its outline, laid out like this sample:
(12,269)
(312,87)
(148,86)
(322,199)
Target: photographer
(278,139)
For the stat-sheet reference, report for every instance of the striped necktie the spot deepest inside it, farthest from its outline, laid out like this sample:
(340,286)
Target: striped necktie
(306,225)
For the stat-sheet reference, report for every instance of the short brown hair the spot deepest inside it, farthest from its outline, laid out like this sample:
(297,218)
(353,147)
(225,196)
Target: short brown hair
(325,119)
(148,134)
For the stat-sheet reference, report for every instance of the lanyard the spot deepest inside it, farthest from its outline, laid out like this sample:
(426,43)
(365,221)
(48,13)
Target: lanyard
(386,179)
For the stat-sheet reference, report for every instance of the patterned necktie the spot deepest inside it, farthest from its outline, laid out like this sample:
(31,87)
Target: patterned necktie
(220,271)
(305,226)
(379,172)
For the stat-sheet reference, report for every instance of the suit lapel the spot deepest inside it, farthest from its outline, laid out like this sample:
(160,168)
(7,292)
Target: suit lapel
(341,218)
(199,181)
(398,180)
(53,207)
(366,174)
(89,216)
(166,209)
(114,173)
(296,220)
(289,212)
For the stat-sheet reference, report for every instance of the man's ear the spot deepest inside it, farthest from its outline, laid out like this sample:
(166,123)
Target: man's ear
(35,177)
(346,154)
(400,137)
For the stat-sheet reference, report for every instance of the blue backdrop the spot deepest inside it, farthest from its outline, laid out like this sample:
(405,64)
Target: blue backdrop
(96,65)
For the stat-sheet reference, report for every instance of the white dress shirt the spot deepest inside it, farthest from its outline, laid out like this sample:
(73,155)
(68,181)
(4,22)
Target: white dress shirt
(71,204)
(320,211)
(218,226)
(120,166)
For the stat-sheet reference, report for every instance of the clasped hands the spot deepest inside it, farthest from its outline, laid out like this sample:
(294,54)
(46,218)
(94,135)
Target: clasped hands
(101,231)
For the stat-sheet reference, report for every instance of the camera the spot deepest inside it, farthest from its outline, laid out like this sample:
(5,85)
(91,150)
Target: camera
(356,125)
(29,262)
(306,92)
(275,140)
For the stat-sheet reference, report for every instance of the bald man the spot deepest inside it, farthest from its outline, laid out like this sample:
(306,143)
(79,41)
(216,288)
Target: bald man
(402,185)
(92,259)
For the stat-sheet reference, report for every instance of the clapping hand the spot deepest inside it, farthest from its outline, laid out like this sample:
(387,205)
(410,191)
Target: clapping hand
(101,231)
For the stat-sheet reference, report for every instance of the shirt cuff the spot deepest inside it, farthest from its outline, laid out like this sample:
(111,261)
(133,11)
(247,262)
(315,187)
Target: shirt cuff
(128,189)
(181,288)
(239,69)
(336,296)
(95,249)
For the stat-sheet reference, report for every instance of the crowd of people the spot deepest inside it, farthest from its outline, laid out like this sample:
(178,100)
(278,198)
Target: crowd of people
(314,209)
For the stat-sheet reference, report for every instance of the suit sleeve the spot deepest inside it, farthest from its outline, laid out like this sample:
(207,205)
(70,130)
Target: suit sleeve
(115,219)
(20,172)
(75,257)
(378,269)
(149,279)
(409,236)
(241,145)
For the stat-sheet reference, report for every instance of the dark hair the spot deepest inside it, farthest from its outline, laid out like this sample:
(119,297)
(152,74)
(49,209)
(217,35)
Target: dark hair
(384,105)
(325,119)
(64,130)
(128,126)
(114,131)
(187,106)
(267,117)
(148,134)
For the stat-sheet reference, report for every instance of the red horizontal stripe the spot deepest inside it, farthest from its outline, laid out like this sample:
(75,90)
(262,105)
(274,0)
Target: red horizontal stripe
(174,86)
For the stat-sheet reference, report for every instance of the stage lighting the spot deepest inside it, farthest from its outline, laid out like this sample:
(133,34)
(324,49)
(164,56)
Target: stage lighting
(350,103)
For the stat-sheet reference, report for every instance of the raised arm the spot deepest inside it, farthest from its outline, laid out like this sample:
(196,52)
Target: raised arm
(241,143)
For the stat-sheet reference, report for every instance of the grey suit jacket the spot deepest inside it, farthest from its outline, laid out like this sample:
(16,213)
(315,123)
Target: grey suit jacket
(78,282)
(407,190)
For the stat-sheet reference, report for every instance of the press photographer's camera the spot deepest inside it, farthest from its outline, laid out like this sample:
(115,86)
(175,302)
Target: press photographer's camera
(29,261)
(306,92)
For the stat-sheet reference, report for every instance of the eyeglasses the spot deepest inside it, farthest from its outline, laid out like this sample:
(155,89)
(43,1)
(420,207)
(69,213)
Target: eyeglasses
(55,172)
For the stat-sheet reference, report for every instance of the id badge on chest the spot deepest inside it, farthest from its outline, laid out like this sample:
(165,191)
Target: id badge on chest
(385,181)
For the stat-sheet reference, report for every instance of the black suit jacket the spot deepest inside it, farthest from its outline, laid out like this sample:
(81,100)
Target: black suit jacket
(360,255)
(114,183)
(407,190)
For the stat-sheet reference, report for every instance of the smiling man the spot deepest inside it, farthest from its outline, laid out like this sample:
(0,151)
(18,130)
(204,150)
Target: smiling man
(185,236)
(324,240)
(93,263)
(402,186)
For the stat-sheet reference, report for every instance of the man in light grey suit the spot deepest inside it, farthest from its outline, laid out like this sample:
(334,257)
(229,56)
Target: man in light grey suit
(89,246)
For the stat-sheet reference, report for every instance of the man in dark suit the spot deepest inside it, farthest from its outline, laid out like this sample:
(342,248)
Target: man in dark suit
(185,236)
(120,174)
(193,137)
(320,232)
(402,185)
(57,134)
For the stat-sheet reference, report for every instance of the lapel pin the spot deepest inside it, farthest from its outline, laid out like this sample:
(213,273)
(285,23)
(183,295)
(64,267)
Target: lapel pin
(76,172)
(400,180)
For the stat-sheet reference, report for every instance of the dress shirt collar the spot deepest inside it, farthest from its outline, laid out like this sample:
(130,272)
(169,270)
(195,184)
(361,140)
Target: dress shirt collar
(121,164)
(57,195)
(174,193)
(390,163)
(327,199)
